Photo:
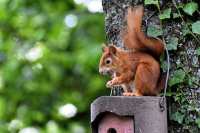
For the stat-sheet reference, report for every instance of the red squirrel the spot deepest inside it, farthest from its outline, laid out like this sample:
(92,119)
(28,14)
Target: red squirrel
(136,70)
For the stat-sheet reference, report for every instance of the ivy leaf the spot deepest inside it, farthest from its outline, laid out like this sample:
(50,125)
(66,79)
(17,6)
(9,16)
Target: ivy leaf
(154,31)
(165,14)
(178,77)
(196,27)
(181,5)
(190,8)
(198,122)
(163,63)
(178,117)
(148,2)
(176,15)
(185,30)
(164,66)
(198,51)
(172,43)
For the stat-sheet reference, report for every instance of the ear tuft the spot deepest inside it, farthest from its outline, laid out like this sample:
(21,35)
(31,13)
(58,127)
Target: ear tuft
(104,47)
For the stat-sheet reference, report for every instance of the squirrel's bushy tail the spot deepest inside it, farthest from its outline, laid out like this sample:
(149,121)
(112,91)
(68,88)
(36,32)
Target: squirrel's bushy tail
(134,37)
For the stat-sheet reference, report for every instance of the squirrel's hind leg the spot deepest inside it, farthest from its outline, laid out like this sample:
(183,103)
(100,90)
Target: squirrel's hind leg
(126,89)
(129,89)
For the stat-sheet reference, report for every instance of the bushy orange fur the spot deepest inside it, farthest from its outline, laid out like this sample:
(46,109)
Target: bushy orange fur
(134,38)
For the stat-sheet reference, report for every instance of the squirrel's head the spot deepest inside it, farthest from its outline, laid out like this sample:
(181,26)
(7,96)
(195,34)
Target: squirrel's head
(107,63)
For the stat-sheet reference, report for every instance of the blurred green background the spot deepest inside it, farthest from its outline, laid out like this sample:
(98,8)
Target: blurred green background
(49,53)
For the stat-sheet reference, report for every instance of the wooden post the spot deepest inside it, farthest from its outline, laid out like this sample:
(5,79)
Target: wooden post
(119,114)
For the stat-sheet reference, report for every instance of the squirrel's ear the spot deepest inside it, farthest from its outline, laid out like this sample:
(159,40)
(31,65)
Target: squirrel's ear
(103,47)
(112,49)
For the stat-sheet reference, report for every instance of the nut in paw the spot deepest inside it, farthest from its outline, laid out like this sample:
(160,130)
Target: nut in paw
(109,84)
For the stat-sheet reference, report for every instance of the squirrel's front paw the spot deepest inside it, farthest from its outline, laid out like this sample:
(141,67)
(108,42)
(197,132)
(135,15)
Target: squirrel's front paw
(109,84)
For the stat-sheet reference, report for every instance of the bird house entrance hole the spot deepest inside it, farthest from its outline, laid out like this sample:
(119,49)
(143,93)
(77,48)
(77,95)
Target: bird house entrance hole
(112,123)
(111,130)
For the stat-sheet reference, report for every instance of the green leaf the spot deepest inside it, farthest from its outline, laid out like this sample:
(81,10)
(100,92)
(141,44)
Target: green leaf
(165,14)
(185,30)
(154,31)
(164,65)
(176,15)
(172,43)
(178,77)
(198,51)
(178,117)
(2,107)
(196,27)
(198,122)
(190,8)
(148,2)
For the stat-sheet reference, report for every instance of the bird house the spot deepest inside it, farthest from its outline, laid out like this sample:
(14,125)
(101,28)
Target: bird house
(119,114)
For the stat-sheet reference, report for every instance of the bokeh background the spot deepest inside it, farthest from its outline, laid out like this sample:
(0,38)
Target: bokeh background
(49,53)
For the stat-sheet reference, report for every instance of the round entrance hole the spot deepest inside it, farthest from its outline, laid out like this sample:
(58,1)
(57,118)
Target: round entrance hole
(112,130)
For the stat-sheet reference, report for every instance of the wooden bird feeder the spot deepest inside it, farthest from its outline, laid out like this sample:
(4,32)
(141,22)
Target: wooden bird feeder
(119,114)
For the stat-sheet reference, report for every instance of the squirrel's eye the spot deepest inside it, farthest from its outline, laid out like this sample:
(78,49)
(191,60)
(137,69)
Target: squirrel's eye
(108,61)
